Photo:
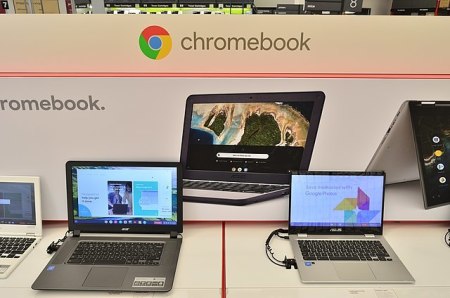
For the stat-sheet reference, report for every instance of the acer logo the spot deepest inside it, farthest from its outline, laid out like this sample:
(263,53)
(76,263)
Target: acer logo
(336,230)
(125,229)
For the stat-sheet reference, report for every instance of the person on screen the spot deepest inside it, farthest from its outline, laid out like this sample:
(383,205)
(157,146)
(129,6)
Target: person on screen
(114,197)
(127,197)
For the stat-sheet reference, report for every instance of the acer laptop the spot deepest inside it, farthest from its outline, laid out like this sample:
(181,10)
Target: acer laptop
(119,252)
(416,146)
(20,220)
(336,228)
(239,149)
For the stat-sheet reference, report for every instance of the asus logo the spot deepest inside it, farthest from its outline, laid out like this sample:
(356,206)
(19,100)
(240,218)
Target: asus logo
(336,230)
(125,229)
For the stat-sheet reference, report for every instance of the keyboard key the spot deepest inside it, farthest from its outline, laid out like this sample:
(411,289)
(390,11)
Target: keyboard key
(344,258)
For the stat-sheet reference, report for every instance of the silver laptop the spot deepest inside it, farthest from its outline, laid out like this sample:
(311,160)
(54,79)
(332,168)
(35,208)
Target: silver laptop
(416,147)
(336,227)
(20,220)
(239,149)
(135,249)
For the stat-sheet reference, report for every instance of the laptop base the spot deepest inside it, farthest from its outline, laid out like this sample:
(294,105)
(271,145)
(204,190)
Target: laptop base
(60,275)
(236,202)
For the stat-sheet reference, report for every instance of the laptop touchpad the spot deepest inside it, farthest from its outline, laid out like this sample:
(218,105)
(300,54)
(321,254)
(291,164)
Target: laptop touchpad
(106,277)
(354,271)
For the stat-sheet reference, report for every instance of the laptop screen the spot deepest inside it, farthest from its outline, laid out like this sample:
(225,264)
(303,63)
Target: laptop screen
(17,203)
(124,195)
(251,133)
(342,201)
(431,124)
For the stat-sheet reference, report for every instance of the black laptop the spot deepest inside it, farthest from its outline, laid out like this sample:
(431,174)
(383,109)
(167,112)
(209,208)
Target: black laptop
(135,250)
(239,149)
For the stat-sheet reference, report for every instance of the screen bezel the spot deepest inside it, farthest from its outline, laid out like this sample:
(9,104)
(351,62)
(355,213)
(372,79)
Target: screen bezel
(328,230)
(415,108)
(317,97)
(123,228)
(35,228)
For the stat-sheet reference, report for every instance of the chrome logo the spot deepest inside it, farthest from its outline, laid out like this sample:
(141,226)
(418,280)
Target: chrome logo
(155,42)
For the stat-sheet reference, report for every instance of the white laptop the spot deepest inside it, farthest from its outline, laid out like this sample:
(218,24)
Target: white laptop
(336,228)
(20,220)
(416,147)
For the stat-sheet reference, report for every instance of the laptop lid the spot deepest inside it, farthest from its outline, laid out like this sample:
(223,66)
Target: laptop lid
(431,132)
(396,154)
(249,137)
(20,206)
(416,146)
(149,192)
(336,203)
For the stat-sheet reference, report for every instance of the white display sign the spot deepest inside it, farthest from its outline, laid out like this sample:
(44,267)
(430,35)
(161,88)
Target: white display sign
(221,45)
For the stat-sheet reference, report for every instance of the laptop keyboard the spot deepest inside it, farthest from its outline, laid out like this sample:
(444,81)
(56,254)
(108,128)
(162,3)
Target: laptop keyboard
(233,186)
(343,250)
(117,253)
(14,247)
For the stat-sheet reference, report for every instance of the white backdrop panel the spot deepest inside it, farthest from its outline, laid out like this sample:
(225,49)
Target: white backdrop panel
(143,118)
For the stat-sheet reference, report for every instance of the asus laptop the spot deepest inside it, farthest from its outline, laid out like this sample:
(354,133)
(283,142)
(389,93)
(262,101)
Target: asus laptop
(417,146)
(20,220)
(336,227)
(239,149)
(137,251)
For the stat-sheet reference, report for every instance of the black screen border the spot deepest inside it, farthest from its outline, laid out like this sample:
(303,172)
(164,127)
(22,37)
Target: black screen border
(122,228)
(317,97)
(415,108)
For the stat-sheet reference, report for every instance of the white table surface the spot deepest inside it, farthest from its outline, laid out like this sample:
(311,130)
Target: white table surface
(250,274)
(199,271)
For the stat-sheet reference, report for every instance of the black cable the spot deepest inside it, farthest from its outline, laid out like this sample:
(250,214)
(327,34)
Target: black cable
(287,263)
(55,245)
(274,260)
(447,238)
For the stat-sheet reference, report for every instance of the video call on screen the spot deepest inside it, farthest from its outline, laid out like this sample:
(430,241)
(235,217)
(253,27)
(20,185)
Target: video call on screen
(125,195)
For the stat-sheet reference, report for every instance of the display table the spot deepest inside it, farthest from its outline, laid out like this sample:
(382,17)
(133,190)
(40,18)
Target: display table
(198,272)
(250,274)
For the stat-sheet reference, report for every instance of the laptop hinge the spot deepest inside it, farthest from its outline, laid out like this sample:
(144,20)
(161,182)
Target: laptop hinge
(76,233)
(369,235)
(302,235)
(30,234)
(173,235)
